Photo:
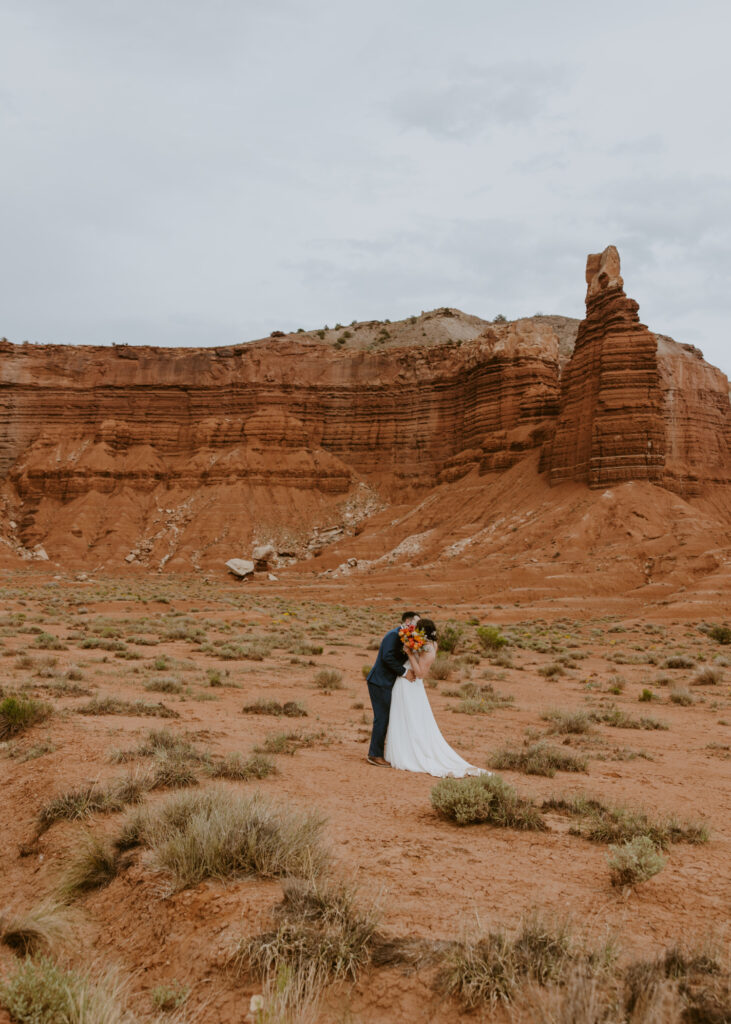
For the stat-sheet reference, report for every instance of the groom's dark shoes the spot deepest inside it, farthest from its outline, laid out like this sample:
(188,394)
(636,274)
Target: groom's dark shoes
(380,761)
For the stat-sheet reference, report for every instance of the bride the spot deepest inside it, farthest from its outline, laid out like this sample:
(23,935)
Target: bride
(414,742)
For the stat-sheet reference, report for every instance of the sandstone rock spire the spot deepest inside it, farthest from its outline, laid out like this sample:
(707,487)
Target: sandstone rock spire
(610,427)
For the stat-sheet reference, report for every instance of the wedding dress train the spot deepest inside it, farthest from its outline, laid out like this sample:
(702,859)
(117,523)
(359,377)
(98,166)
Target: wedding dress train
(414,742)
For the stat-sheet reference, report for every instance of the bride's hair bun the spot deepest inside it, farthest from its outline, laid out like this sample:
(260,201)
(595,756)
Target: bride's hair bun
(428,627)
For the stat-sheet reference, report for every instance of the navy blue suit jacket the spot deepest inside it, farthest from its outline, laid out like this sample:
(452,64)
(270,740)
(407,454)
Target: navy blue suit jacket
(389,664)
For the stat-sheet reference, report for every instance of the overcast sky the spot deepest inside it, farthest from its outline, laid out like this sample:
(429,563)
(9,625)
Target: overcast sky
(190,173)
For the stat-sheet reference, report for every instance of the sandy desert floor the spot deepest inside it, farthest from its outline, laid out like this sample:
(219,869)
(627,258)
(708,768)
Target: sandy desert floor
(205,650)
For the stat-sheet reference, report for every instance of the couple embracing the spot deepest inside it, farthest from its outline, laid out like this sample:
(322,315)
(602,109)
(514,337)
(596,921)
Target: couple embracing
(405,733)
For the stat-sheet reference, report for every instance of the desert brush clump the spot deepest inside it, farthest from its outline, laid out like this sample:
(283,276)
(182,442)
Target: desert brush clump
(234,767)
(479,699)
(567,722)
(696,981)
(721,634)
(39,991)
(538,759)
(329,679)
(115,706)
(602,823)
(442,667)
(449,637)
(290,709)
(291,742)
(709,675)
(634,861)
(551,670)
(163,741)
(172,770)
(218,833)
(618,719)
(680,695)
(491,639)
(164,684)
(491,967)
(19,713)
(678,661)
(485,799)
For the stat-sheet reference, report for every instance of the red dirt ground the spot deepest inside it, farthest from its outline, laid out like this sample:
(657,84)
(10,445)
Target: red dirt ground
(434,880)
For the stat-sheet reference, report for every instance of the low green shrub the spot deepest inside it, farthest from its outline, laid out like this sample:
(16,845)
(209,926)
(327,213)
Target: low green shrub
(41,992)
(721,634)
(634,861)
(491,638)
(484,799)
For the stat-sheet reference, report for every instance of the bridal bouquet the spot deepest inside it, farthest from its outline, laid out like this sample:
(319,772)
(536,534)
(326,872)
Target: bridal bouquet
(412,638)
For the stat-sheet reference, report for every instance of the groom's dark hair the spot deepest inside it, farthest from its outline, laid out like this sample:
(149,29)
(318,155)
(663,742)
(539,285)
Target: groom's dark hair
(409,615)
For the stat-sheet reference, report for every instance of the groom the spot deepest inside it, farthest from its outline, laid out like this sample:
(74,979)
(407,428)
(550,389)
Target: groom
(388,667)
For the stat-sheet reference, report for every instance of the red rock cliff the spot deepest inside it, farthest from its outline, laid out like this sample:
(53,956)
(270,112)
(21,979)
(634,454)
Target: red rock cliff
(187,456)
(295,415)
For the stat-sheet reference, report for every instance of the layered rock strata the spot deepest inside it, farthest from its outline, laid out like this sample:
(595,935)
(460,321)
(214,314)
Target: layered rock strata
(284,412)
(178,456)
(635,406)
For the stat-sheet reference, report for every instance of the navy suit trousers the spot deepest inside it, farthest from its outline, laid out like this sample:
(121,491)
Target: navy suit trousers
(381,703)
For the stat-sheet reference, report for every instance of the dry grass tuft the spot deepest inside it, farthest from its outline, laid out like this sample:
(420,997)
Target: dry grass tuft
(93,866)
(233,767)
(322,936)
(218,833)
(538,759)
(291,742)
(173,770)
(329,679)
(19,713)
(707,676)
(90,798)
(567,722)
(490,968)
(442,667)
(618,719)
(42,929)
(114,706)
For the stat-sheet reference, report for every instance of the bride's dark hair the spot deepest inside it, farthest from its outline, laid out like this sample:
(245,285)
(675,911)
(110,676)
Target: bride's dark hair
(428,627)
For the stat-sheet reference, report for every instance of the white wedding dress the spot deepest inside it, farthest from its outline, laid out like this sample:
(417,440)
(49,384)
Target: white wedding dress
(414,742)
